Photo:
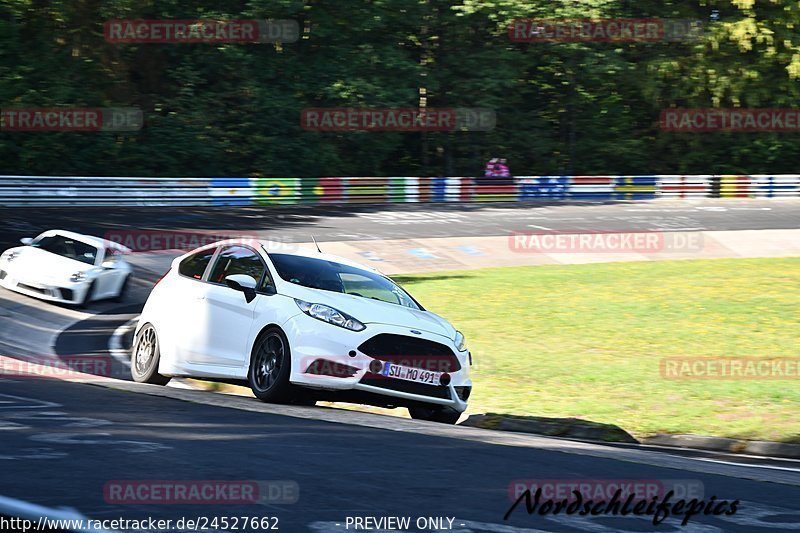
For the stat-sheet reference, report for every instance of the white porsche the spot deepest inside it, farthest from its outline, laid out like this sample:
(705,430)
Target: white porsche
(299,326)
(66,267)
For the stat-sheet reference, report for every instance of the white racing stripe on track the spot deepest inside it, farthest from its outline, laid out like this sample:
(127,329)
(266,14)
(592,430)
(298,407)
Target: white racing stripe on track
(115,347)
(123,355)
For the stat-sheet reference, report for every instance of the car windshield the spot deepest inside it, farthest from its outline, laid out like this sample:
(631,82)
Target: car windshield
(331,276)
(66,247)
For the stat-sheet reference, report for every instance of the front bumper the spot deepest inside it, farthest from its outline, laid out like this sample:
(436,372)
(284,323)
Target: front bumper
(316,345)
(62,292)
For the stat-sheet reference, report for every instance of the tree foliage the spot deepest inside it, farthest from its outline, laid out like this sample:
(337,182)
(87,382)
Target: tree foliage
(234,109)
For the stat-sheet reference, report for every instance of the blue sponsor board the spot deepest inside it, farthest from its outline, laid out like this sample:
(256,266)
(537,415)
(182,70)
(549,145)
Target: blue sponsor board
(768,185)
(543,187)
(439,189)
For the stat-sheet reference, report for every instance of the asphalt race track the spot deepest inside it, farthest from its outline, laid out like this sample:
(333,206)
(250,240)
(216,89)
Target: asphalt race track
(401,221)
(64,442)
(70,440)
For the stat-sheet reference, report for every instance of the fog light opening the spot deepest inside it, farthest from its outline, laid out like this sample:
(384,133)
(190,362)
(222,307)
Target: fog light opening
(444,379)
(375,366)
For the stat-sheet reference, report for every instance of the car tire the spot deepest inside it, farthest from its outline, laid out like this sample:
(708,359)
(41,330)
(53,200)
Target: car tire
(88,297)
(122,290)
(145,357)
(443,415)
(270,366)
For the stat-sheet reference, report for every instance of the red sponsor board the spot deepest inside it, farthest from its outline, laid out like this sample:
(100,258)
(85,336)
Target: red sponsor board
(592,180)
(332,189)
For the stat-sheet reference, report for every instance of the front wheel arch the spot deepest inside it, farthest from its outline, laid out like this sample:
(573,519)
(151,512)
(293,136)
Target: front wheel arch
(281,391)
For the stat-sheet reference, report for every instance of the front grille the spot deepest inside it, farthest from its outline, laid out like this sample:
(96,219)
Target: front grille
(411,351)
(30,288)
(411,387)
(66,294)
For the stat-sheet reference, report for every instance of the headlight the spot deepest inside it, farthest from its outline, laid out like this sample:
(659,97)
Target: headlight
(461,342)
(77,276)
(330,315)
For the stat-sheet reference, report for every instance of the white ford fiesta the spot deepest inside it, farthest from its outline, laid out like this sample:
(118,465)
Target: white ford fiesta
(299,326)
(66,267)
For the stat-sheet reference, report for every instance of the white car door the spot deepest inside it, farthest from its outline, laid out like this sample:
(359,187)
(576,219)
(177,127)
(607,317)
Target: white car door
(186,319)
(110,276)
(227,313)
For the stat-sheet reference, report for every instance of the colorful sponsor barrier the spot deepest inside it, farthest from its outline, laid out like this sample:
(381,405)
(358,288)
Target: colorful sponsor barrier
(685,186)
(267,191)
(635,187)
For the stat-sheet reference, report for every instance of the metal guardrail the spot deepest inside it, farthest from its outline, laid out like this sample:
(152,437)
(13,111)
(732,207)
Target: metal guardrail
(47,191)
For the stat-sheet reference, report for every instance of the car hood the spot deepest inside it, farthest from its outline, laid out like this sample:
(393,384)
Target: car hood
(35,264)
(371,311)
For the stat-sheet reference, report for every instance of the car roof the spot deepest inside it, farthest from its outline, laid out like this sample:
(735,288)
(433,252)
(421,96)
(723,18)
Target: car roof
(274,247)
(97,242)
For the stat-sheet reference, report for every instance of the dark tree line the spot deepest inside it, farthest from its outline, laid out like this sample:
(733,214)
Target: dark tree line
(234,109)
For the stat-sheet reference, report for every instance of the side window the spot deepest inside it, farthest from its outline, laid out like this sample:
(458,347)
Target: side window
(194,265)
(237,260)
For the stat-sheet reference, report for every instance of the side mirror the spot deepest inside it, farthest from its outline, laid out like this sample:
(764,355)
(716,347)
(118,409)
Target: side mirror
(244,283)
(26,241)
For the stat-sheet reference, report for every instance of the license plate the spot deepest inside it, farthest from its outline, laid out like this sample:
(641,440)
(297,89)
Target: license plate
(418,375)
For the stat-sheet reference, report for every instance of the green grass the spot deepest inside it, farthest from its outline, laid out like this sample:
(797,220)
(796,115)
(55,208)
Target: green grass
(585,341)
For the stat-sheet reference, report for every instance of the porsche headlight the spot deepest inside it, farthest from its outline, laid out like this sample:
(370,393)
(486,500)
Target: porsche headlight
(461,342)
(330,315)
(77,277)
